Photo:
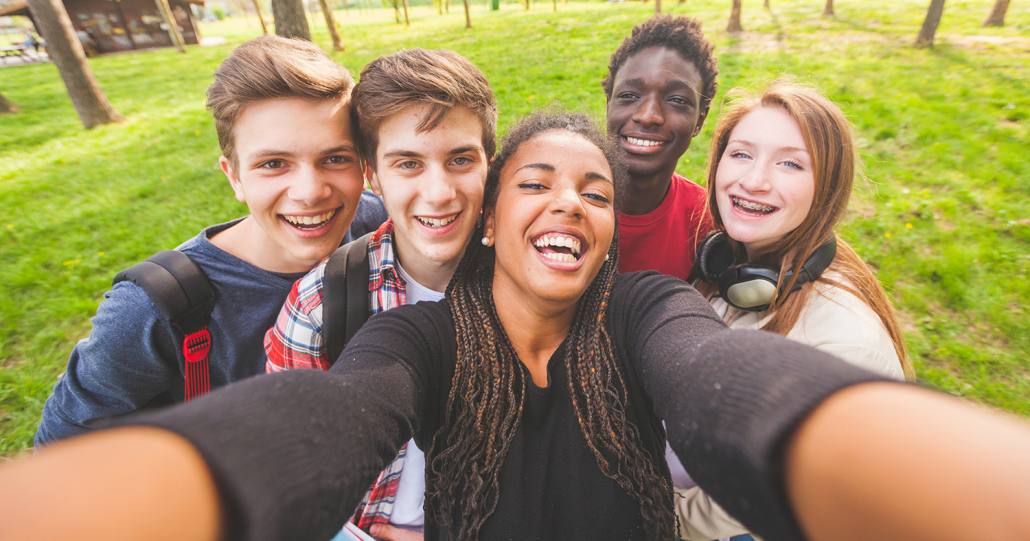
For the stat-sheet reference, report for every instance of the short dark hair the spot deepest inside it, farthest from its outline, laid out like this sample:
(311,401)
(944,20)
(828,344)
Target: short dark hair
(438,78)
(681,34)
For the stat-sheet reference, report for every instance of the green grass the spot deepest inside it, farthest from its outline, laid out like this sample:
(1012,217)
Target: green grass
(942,132)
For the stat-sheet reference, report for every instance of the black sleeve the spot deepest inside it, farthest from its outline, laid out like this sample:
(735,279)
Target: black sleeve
(292,453)
(731,399)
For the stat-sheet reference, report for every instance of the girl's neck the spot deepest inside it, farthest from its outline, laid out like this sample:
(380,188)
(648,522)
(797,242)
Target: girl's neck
(535,332)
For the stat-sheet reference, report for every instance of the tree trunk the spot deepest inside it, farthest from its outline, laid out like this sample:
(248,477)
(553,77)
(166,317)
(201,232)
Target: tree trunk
(933,18)
(404,4)
(527,5)
(658,6)
(290,19)
(330,22)
(66,52)
(828,9)
(261,18)
(173,27)
(555,2)
(682,1)
(734,25)
(6,106)
(765,4)
(468,16)
(997,16)
(397,11)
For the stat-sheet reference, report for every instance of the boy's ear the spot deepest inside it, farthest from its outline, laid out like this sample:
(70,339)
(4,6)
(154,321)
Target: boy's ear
(237,188)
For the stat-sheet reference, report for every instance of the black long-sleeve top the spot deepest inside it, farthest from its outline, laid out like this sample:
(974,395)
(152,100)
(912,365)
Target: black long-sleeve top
(292,453)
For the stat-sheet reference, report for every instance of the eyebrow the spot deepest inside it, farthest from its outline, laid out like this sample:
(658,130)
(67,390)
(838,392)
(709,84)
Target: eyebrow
(590,175)
(672,83)
(791,149)
(279,152)
(401,153)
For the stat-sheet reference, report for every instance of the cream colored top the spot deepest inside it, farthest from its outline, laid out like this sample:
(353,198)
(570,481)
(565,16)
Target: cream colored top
(833,320)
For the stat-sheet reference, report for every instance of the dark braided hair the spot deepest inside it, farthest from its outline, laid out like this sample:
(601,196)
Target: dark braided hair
(487,393)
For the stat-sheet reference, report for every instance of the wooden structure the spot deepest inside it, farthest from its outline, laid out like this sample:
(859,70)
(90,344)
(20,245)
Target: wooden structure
(121,25)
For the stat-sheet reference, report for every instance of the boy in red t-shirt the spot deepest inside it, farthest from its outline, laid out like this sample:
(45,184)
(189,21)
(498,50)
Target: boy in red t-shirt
(660,83)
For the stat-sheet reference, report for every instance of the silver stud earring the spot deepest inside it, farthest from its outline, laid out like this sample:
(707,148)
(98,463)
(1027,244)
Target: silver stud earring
(485,241)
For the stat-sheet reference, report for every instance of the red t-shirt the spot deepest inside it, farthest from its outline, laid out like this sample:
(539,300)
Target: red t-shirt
(666,238)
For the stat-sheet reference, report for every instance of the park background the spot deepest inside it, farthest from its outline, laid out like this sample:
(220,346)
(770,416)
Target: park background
(941,213)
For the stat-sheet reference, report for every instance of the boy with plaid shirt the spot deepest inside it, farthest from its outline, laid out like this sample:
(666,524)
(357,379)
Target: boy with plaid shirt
(427,122)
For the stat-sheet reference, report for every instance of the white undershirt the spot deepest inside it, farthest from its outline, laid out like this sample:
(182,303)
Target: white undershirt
(407,507)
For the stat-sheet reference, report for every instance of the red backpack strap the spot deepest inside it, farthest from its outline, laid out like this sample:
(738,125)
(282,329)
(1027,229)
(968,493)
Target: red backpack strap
(183,294)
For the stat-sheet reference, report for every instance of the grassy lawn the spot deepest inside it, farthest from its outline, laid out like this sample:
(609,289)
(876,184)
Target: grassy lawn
(943,134)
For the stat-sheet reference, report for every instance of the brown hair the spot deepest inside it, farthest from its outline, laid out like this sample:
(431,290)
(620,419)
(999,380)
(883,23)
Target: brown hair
(271,67)
(487,395)
(441,79)
(830,143)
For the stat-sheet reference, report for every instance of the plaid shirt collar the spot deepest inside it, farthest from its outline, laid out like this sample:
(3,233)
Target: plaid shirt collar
(386,287)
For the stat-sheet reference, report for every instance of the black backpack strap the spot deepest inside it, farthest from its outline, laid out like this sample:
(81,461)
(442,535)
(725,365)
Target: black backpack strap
(183,294)
(344,295)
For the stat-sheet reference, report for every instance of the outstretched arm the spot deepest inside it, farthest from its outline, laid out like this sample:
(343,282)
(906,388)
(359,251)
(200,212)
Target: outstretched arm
(127,483)
(882,461)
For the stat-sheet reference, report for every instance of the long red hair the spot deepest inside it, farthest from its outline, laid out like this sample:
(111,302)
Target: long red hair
(830,144)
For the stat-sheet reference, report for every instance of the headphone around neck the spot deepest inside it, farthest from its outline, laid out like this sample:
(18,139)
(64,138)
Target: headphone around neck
(749,286)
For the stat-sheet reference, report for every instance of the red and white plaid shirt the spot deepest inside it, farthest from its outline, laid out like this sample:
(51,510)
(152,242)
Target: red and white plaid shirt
(296,341)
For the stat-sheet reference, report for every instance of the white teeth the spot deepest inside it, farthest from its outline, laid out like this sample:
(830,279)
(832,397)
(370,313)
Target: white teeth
(644,142)
(558,256)
(436,222)
(751,205)
(555,240)
(309,220)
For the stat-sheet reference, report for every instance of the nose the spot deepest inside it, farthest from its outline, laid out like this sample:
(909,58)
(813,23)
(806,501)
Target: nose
(648,112)
(756,178)
(435,187)
(310,186)
(567,201)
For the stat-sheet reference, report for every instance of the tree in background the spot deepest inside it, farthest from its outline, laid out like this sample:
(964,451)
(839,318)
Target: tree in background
(828,9)
(933,18)
(6,106)
(173,26)
(290,20)
(330,23)
(261,18)
(734,25)
(997,16)
(66,52)
(657,6)
(468,16)
(404,4)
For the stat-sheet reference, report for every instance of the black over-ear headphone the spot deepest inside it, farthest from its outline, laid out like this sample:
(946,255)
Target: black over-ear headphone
(748,286)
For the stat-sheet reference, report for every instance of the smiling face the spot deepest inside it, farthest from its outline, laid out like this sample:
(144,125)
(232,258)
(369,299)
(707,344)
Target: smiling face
(554,219)
(432,186)
(764,182)
(297,170)
(654,109)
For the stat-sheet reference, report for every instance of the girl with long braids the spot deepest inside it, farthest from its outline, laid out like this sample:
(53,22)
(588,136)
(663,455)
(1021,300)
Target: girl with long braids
(537,388)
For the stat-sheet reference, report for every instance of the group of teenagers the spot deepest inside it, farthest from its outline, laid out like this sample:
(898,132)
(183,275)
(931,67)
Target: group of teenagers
(573,374)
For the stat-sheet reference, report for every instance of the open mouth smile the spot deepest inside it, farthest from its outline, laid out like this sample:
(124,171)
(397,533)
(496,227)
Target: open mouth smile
(642,145)
(752,208)
(560,248)
(309,223)
(437,223)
